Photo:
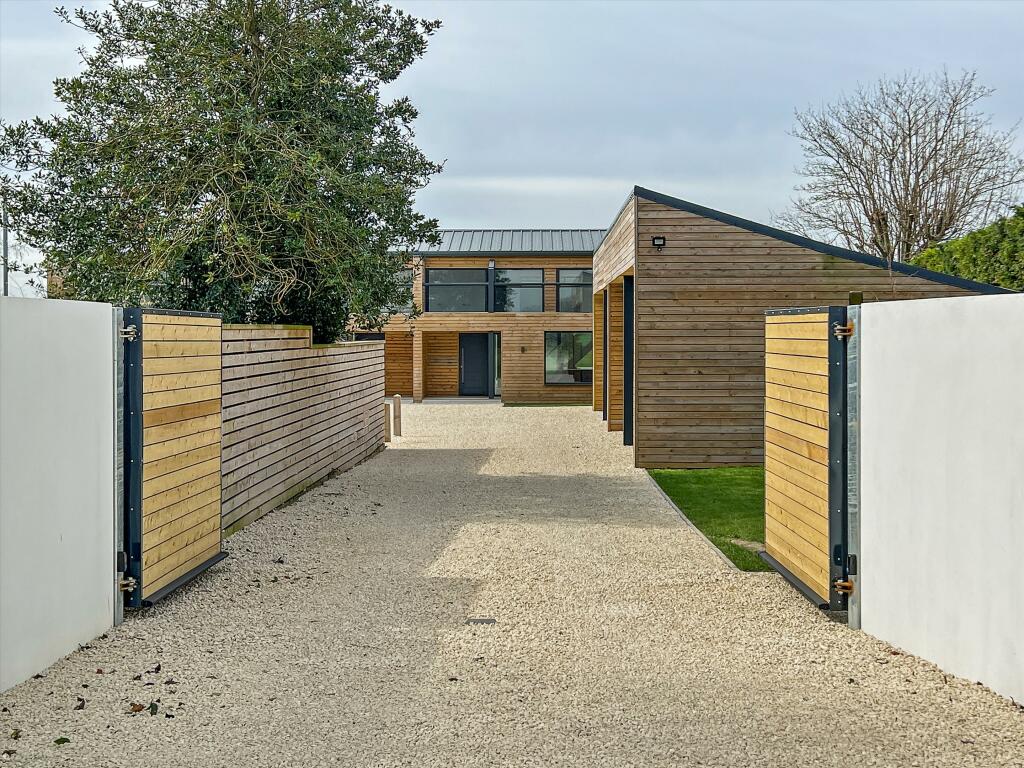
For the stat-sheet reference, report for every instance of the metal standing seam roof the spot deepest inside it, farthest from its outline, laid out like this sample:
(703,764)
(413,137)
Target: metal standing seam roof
(483,242)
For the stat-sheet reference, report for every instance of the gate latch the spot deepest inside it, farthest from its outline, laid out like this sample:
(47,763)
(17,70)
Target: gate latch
(844,331)
(128,584)
(129,332)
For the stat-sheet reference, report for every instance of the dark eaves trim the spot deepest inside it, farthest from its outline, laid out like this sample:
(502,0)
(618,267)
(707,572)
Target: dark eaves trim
(805,242)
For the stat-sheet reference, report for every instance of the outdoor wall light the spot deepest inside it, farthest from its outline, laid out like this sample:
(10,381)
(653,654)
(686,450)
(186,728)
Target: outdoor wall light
(658,241)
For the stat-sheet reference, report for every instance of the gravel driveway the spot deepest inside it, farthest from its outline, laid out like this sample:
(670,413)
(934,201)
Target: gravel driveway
(336,634)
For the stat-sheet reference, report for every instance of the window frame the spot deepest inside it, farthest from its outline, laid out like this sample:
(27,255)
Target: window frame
(527,284)
(559,283)
(568,383)
(485,284)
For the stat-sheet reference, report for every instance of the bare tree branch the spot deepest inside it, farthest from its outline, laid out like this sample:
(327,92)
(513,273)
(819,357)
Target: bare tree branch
(902,165)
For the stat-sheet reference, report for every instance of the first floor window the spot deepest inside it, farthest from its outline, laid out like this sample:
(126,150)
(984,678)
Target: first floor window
(575,290)
(519,290)
(456,290)
(568,357)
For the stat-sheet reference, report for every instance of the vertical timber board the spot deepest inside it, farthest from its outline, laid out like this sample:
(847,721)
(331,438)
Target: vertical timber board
(799,447)
(179,465)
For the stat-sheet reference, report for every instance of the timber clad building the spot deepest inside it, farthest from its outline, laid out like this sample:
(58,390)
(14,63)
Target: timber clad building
(680,294)
(506,314)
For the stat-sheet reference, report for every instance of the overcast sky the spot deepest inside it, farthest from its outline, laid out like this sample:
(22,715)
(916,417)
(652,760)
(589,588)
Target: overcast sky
(547,113)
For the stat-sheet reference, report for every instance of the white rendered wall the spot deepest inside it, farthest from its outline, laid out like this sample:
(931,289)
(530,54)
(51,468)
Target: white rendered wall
(56,481)
(942,483)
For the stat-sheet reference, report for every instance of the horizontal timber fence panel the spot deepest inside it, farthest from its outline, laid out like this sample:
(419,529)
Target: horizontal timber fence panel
(293,413)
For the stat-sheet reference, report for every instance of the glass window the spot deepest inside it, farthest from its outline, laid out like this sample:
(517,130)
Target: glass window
(519,290)
(575,290)
(568,357)
(456,290)
(518,298)
(507,276)
(406,276)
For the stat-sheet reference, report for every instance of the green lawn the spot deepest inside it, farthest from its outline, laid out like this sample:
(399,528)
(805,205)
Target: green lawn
(726,504)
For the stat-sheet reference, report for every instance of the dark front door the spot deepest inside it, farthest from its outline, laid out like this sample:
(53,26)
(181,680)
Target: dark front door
(473,368)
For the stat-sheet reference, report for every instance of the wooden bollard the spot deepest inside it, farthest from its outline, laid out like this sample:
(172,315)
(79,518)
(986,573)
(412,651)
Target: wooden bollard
(387,422)
(398,415)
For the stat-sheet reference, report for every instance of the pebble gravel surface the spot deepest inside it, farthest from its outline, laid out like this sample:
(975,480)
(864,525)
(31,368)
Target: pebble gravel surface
(499,587)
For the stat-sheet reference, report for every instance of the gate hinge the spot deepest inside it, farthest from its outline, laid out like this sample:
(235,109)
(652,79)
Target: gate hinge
(843,586)
(129,332)
(128,584)
(842,331)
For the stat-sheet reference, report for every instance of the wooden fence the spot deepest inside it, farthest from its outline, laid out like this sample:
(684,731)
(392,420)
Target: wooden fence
(804,422)
(293,412)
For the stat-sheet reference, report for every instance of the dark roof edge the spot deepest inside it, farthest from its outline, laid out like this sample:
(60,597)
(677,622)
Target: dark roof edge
(805,242)
(616,217)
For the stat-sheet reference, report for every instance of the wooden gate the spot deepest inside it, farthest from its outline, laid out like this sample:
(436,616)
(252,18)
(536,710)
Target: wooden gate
(805,427)
(172,449)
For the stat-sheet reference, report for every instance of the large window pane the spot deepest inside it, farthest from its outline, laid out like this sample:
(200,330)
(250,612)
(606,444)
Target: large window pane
(575,298)
(575,276)
(450,276)
(456,290)
(516,298)
(574,290)
(568,357)
(457,298)
(506,276)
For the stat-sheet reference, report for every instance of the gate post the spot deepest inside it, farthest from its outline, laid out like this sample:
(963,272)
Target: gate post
(853,464)
(838,335)
(398,415)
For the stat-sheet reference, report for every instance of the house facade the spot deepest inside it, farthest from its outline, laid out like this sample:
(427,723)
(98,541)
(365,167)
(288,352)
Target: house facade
(506,314)
(680,294)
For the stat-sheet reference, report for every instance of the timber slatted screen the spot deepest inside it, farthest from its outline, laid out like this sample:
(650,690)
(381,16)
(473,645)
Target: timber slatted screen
(174,382)
(797,438)
(293,413)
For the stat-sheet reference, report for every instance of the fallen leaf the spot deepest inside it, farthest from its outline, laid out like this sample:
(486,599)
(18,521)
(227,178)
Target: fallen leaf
(9,752)
(137,677)
(170,681)
(155,669)
(62,740)
(16,733)
(280,560)
(169,715)
(38,677)
(81,704)
(152,708)
(135,707)
(99,671)
(966,741)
